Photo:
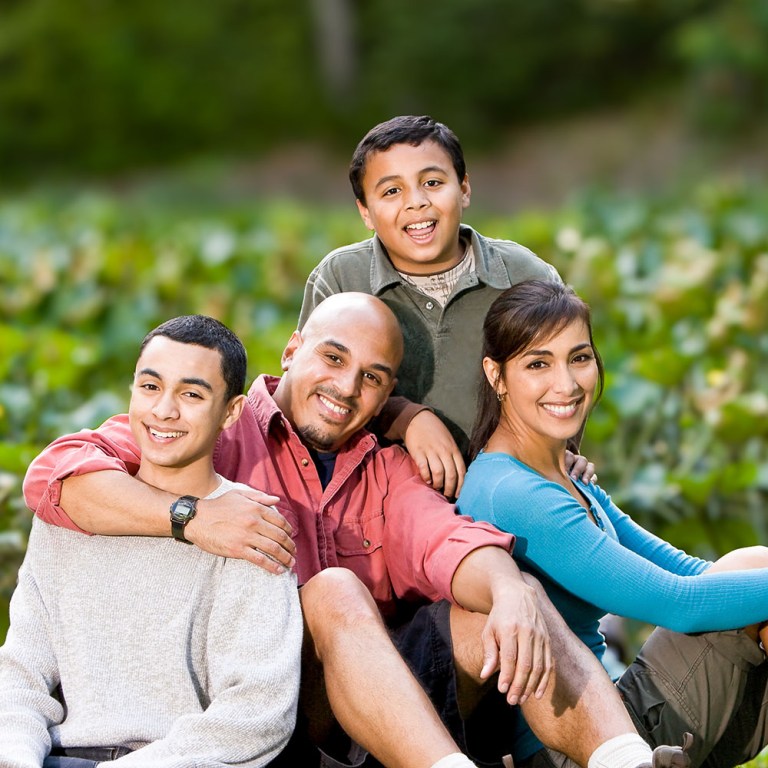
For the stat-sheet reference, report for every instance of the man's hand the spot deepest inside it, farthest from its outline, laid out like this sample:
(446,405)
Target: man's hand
(515,639)
(580,467)
(435,452)
(516,642)
(244,525)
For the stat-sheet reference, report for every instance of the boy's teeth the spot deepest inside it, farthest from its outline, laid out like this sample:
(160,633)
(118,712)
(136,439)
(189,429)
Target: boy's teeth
(165,435)
(421,225)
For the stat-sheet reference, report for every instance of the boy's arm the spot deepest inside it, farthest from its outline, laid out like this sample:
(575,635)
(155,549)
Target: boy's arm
(84,482)
(434,451)
(320,284)
(28,673)
(253,654)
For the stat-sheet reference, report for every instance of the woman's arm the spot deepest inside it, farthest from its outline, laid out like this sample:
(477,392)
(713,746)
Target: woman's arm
(555,535)
(646,544)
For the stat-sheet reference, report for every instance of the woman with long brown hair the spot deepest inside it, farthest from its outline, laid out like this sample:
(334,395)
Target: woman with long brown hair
(702,669)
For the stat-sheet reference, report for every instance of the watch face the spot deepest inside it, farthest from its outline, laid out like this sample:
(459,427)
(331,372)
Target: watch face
(183,509)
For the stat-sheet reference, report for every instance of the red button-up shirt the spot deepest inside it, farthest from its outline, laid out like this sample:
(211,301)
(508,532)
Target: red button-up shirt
(376,516)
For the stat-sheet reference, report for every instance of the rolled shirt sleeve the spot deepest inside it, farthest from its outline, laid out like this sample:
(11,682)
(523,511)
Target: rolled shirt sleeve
(111,447)
(425,540)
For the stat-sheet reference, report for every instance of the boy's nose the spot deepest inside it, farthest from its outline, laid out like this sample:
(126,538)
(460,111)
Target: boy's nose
(165,408)
(416,198)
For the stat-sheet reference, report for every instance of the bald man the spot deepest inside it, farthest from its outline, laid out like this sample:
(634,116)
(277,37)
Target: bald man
(414,616)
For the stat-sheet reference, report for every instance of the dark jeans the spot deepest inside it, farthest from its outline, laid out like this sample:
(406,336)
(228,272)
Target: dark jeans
(82,757)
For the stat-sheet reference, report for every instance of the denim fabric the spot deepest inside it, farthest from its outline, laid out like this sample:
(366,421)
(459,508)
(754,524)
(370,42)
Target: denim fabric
(82,757)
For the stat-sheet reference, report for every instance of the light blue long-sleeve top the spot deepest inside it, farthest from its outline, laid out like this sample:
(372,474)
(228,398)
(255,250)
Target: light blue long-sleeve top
(615,566)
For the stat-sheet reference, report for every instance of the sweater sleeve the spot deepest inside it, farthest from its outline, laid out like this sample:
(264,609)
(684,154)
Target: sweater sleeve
(555,536)
(28,674)
(254,649)
(110,447)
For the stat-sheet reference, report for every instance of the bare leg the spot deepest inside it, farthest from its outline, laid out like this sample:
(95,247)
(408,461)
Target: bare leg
(581,708)
(356,677)
(746,559)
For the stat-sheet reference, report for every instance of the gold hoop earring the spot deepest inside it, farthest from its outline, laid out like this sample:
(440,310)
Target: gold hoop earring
(500,396)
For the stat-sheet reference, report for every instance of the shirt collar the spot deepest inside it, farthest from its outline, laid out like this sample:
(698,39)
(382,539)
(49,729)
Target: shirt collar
(489,266)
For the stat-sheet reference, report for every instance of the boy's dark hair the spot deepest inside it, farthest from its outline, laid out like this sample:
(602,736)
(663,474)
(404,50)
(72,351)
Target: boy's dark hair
(518,318)
(405,129)
(211,334)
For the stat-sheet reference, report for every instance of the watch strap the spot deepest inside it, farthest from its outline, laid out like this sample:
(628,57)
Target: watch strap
(182,511)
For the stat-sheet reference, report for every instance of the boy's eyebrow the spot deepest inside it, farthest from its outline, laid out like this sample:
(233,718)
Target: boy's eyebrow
(189,380)
(345,350)
(198,382)
(395,176)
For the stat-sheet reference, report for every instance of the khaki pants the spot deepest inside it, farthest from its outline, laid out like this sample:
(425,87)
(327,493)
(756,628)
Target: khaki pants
(714,685)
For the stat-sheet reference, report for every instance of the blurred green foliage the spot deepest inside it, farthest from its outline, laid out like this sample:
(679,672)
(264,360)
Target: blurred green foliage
(678,286)
(93,86)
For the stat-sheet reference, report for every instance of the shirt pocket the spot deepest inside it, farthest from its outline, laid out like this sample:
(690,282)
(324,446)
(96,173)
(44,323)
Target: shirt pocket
(360,537)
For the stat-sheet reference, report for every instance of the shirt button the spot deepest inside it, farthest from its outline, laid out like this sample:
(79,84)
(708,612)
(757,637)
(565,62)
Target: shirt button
(430,305)
(366,543)
(304,462)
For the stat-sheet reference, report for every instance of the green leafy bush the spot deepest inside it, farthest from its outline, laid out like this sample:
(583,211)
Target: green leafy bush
(678,286)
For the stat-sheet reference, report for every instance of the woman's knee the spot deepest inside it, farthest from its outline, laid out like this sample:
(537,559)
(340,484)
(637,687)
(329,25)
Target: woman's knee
(744,559)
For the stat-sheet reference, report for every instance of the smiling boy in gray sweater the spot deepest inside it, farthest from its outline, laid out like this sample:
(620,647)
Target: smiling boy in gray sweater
(140,651)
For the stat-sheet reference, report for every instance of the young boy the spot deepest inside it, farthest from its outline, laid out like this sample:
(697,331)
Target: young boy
(437,275)
(146,651)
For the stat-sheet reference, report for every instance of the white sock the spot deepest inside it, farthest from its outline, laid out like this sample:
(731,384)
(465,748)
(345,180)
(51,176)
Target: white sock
(454,760)
(625,751)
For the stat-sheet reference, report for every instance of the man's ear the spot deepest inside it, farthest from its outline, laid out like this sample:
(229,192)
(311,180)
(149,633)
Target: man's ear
(364,215)
(290,350)
(234,411)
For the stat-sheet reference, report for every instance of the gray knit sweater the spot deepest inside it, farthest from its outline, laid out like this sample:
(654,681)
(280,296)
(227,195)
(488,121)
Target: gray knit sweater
(188,658)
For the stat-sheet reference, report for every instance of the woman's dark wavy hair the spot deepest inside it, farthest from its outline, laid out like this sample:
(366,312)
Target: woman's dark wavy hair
(518,318)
